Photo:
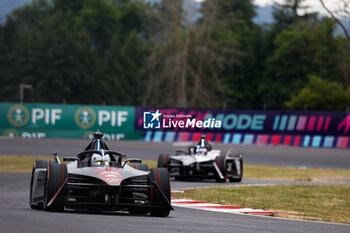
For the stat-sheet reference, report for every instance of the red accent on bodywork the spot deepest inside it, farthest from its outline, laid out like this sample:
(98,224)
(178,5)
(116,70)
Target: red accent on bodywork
(111,176)
(48,169)
(217,160)
(165,159)
(156,180)
(58,191)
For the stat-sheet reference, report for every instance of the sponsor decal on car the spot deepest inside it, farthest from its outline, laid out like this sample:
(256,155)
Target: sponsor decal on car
(111,175)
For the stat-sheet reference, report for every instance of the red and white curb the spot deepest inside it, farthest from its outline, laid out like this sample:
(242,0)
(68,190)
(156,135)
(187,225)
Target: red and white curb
(193,204)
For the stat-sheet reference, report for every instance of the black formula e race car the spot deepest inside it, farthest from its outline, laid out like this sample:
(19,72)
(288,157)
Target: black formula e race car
(99,179)
(201,162)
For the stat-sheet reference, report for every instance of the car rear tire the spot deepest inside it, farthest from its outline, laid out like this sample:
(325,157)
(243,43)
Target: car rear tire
(163,160)
(221,163)
(159,212)
(161,177)
(141,166)
(37,164)
(56,178)
(241,166)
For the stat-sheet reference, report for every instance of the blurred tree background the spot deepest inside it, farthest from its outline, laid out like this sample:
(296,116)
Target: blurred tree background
(135,52)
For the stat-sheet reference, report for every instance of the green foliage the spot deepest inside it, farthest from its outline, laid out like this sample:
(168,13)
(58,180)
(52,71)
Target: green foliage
(238,38)
(72,51)
(299,51)
(321,94)
(129,52)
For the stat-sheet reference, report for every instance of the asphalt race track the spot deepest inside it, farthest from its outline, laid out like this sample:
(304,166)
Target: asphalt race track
(267,155)
(16,215)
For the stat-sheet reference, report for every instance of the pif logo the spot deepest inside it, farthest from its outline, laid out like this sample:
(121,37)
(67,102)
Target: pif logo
(151,120)
(18,115)
(11,133)
(85,117)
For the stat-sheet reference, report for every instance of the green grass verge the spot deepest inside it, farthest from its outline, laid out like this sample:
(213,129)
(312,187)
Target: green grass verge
(294,174)
(19,163)
(308,202)
(25,163)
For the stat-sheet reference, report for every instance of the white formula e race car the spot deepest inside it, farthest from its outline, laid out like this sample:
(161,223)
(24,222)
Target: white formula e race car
(99,179)
(201,162)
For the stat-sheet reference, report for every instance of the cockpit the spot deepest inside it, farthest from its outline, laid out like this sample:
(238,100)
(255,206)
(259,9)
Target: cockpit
(97,154)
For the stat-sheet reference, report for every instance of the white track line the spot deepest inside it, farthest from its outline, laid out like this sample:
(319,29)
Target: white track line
(193,204)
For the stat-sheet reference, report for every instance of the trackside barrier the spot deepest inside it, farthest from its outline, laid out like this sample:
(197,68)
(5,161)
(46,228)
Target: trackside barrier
(36,120)
(291,128)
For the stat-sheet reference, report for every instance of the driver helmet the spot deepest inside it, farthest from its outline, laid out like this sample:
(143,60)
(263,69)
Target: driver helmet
(97,160)
(203,143)
(106,160)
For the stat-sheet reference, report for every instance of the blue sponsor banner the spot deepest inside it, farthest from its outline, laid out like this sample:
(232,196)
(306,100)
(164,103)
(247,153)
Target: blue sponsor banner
(244,121)
(291,128)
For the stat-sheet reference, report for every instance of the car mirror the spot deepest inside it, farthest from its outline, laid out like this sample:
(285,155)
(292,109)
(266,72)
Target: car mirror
(70,159)
(56,158)
(132,161)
